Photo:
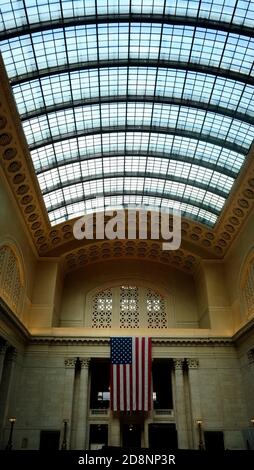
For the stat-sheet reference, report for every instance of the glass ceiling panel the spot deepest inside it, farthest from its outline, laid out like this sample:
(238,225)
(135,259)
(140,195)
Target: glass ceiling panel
(17,14)
(78,149)
(64,89)
(121,201)
(155,111)
(110,42)
(57,125)
(133,166)
(155,186)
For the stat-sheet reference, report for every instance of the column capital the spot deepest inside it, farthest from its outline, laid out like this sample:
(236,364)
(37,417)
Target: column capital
(250,355)
(70,362)
(3,347)
(178,363)
(193,363)
(84,362)
(11,353)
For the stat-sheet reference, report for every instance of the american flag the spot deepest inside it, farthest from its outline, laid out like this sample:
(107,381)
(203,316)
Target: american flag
(131,388)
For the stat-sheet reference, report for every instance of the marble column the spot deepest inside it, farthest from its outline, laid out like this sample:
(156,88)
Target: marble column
(68,401)
(194,387)
(180,411)
(82,421)
(5,392)
(3,348)
(115,431)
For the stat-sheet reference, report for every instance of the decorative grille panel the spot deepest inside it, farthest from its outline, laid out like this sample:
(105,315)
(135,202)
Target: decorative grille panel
(247,294)
(156,311)
(102,309)
(3,254)
(129,307)
(11,286)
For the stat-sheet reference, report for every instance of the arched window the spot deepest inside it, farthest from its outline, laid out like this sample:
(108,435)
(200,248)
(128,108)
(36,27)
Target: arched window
(127,306)
(11,287)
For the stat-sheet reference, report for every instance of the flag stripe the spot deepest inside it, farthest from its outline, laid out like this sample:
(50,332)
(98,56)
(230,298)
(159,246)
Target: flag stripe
(133,367)
(143,372)
(140,373)
(118,389)
(125,390)
(131,390)
(146,376)
(130,387)
(121,387)
(114,375)
(137,374)
(149,369)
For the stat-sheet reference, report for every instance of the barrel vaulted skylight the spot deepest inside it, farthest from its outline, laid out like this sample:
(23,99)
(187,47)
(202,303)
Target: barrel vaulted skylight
(130,102)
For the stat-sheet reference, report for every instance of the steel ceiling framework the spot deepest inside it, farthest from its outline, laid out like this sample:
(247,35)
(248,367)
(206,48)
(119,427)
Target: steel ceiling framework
(133,103)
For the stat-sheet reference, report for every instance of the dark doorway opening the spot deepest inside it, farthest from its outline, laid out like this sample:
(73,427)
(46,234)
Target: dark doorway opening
(98,436)
(162,436)
(100,380)
(131,435)
(49,440)
(214,440)
(162,386)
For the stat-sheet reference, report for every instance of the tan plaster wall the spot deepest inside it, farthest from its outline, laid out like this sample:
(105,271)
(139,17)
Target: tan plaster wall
(217,296)
(234,265)
(247,371)
(43,300)
(176,286)
(13,232)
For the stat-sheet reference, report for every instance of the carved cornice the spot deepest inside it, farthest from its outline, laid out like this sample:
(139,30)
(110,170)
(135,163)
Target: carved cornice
(199,341)
(12,320)
(97,341)
(126,249)
(17,165)
(57,241)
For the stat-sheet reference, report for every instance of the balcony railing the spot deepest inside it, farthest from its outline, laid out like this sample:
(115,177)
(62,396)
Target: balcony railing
(165,412)
(99,412)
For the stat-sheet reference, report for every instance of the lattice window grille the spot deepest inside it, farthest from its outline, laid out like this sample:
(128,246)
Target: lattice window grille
(247,294)
(102,309)
(250,355)
(3,256)
(156,310)
(16,290)
(11,286)
(129,307)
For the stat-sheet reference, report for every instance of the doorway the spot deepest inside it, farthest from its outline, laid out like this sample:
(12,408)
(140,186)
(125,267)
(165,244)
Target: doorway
(131,436)
(49,440)
(98,436)
(214,440)
(162,436)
